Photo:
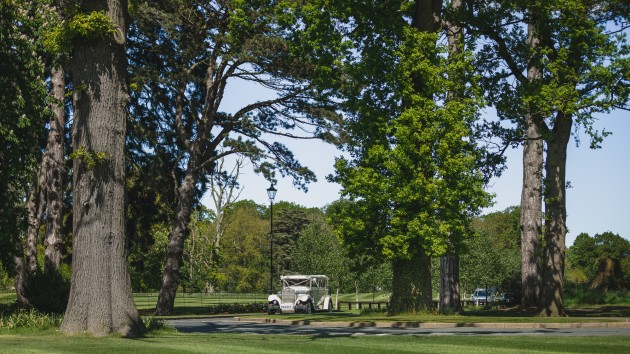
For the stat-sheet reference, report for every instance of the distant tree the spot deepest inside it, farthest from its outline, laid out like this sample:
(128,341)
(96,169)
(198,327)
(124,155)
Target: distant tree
(319,251)
(492,256)
(289,221)
(591,256)
(244,250)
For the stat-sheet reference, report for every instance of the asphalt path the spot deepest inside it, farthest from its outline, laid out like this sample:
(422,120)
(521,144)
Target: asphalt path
(234,325)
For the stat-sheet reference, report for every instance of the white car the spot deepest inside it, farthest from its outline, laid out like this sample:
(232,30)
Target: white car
(480,296)
(301,293)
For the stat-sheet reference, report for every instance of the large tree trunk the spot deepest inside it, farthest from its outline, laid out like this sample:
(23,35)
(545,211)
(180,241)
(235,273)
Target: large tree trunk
(54,170)
(551,302)
(411,288)
(450,301)
(100,299)
(175,250)
(531,195)
(531,216)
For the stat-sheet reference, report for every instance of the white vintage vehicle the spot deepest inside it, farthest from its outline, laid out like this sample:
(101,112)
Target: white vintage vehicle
(301,293)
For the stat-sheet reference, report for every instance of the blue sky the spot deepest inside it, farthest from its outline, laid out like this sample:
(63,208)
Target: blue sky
(598,200)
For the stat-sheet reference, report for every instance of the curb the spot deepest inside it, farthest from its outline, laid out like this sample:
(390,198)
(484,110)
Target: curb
(436,325)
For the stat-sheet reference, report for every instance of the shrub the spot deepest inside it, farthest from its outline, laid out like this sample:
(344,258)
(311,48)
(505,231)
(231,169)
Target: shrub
(48,292)
(14,318)
(236,308)
(581,296)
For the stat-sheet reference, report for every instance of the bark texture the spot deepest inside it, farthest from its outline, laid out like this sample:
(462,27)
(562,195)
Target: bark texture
(411,291)
(54,170)
(449,264)
(531,194)
(100,299)
(179,232)
(551,302)
(450,301)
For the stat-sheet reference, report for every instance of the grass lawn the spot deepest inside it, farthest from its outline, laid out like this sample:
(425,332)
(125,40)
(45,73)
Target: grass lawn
(169,342)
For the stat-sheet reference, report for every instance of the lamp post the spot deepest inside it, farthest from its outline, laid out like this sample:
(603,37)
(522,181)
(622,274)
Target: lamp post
(271,193)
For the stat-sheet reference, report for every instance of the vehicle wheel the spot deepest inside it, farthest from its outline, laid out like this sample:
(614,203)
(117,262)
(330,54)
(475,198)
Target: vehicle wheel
(271,312)
(309,307)
(330,306)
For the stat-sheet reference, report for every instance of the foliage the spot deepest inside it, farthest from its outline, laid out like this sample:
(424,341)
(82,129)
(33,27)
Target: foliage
(319,251)
(244,250)
(197,273)
(77,26)
(580,296)
(586,254)
(146,264)
(236,308)
(289,221)
(153,324)
(48,292)
(23,107)
(32,319)
(492,255)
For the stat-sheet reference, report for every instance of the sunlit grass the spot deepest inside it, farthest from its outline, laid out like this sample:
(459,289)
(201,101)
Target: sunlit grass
(249,343)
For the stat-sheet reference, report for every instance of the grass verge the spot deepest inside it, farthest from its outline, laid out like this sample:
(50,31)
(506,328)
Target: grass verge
(247,343)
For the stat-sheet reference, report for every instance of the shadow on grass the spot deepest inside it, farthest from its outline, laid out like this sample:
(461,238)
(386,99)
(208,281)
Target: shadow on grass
(582,311)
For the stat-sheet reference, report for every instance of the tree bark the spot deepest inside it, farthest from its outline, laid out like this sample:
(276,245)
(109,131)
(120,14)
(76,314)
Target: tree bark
(450,301)
(449,264)
(531,194)
(411,288)
(551,302)
(100,299)
(54,170)
(175,250)
(34,207)
(19,279)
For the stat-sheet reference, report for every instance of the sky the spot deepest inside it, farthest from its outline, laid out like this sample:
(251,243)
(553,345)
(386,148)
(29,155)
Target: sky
(597,201)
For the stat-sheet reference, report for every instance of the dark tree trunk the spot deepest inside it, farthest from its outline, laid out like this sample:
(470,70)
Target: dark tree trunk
(19,279)
(175,250)
(411,288)
(34,207)
(450,301)
(449,264)
(100,300)
(531,195)
(551,302)
(54,170)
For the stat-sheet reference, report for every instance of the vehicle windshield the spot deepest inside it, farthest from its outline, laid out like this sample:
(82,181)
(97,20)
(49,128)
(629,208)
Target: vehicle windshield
(297,282)
(480,293)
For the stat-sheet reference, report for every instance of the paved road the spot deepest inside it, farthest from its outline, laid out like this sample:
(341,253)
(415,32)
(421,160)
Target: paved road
(231,325)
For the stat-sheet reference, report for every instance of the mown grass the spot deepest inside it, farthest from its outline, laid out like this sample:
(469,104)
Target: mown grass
(50,342)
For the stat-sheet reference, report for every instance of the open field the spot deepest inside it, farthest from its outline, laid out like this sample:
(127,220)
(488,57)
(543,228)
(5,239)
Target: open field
(167,342)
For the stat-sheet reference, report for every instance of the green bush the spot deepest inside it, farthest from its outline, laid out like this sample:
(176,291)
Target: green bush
(13,317)
(574,296)
(48,292)
(237,308)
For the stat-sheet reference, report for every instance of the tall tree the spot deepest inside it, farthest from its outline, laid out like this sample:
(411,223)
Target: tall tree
(413,179)
(185,54)
(576,60)
(100,300)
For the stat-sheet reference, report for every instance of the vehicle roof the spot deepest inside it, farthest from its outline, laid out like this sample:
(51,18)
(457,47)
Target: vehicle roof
(302,276)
